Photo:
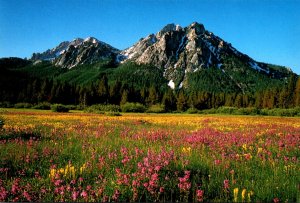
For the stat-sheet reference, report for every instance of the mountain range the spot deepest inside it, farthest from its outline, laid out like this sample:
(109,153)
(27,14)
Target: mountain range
(189,59)
(179,52)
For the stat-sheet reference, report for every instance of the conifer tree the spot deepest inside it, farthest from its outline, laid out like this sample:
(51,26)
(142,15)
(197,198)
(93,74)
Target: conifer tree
(124,98)
(238,101)
(152,97)
(103,90)
(297,93)
(169,100)
(181,101)
(114,93)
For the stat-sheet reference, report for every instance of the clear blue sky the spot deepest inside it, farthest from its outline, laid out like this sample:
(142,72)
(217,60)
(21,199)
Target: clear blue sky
(266,30)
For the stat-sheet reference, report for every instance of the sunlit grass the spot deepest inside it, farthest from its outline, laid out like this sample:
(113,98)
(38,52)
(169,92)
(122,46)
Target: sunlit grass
(47,156)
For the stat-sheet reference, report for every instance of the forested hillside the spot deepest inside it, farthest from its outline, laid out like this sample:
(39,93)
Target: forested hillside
(106,83)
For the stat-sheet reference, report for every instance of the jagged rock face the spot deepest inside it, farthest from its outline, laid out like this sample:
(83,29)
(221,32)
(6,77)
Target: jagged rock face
(89,51)
(52,54)
(182,50)
(178,51)
(79,51)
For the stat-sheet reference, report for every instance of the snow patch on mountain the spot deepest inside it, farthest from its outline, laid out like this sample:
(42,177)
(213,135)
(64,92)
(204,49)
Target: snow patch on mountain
(255,66)
(171,84)
(91,39)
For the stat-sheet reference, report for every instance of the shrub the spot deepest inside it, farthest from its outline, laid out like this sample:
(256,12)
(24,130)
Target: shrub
(133,107)
(101,108)
(59,108)
(157,108)
(43,106)
(111,113)
(192,110)
(208,111)
(23,105)
(283,112)
(72,107)
(5,104)
(226,110)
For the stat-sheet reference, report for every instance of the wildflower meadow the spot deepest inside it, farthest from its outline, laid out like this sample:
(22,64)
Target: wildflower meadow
(48,156)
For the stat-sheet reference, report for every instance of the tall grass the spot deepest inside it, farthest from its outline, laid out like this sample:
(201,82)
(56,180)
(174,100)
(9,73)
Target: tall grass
(138,157)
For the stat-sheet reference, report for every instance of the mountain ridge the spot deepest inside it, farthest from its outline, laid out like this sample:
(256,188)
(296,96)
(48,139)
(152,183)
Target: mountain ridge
(187,41)
(182,53)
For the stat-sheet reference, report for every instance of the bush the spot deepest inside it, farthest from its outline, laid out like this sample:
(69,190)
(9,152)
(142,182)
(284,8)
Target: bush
(157,108)
(208,111)
(5,104)
(23,105)
(192,110)
(111,113)
(43,106)
(133,107)
(73,107)
(226,110)
(248,111)
(283,112)
(101,108)
(59,108)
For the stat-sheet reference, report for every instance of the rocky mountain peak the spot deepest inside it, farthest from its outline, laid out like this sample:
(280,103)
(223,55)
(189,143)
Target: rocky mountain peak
(91,40)
(199,28)
(69,54)
(167,28)
(179,51)
(76,42)
(89,51)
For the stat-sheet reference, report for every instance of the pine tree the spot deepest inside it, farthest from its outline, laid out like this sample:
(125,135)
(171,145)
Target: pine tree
(283,101)
(114,93)
(297,93)
(246,100)
(143,95)
(192,99)
(103,90)
(229,99)
(238,101)
(124,98)
(181,101)
(291,90)
(169,100)
(259,99)
(152,97)
(82,97)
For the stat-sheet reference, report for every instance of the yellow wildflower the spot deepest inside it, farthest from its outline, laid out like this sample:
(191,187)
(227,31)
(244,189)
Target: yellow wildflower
(186,150)
(61,171)
(244,147)
(243,194)
(52,173)
(72,171)
(235,194)
(249,195)
(82,168)
(259,150)
(69,171)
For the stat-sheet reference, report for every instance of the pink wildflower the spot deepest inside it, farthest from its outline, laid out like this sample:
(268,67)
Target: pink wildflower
(84,194)
(75,195)
(226,184)
(199,195)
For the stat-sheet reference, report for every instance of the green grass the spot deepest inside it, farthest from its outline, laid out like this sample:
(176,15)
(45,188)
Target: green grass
(118,157)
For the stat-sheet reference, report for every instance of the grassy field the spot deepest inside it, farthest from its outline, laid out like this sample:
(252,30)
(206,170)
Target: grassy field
(75,156)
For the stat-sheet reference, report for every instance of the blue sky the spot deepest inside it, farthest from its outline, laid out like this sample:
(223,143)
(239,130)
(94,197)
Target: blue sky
(266,30)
